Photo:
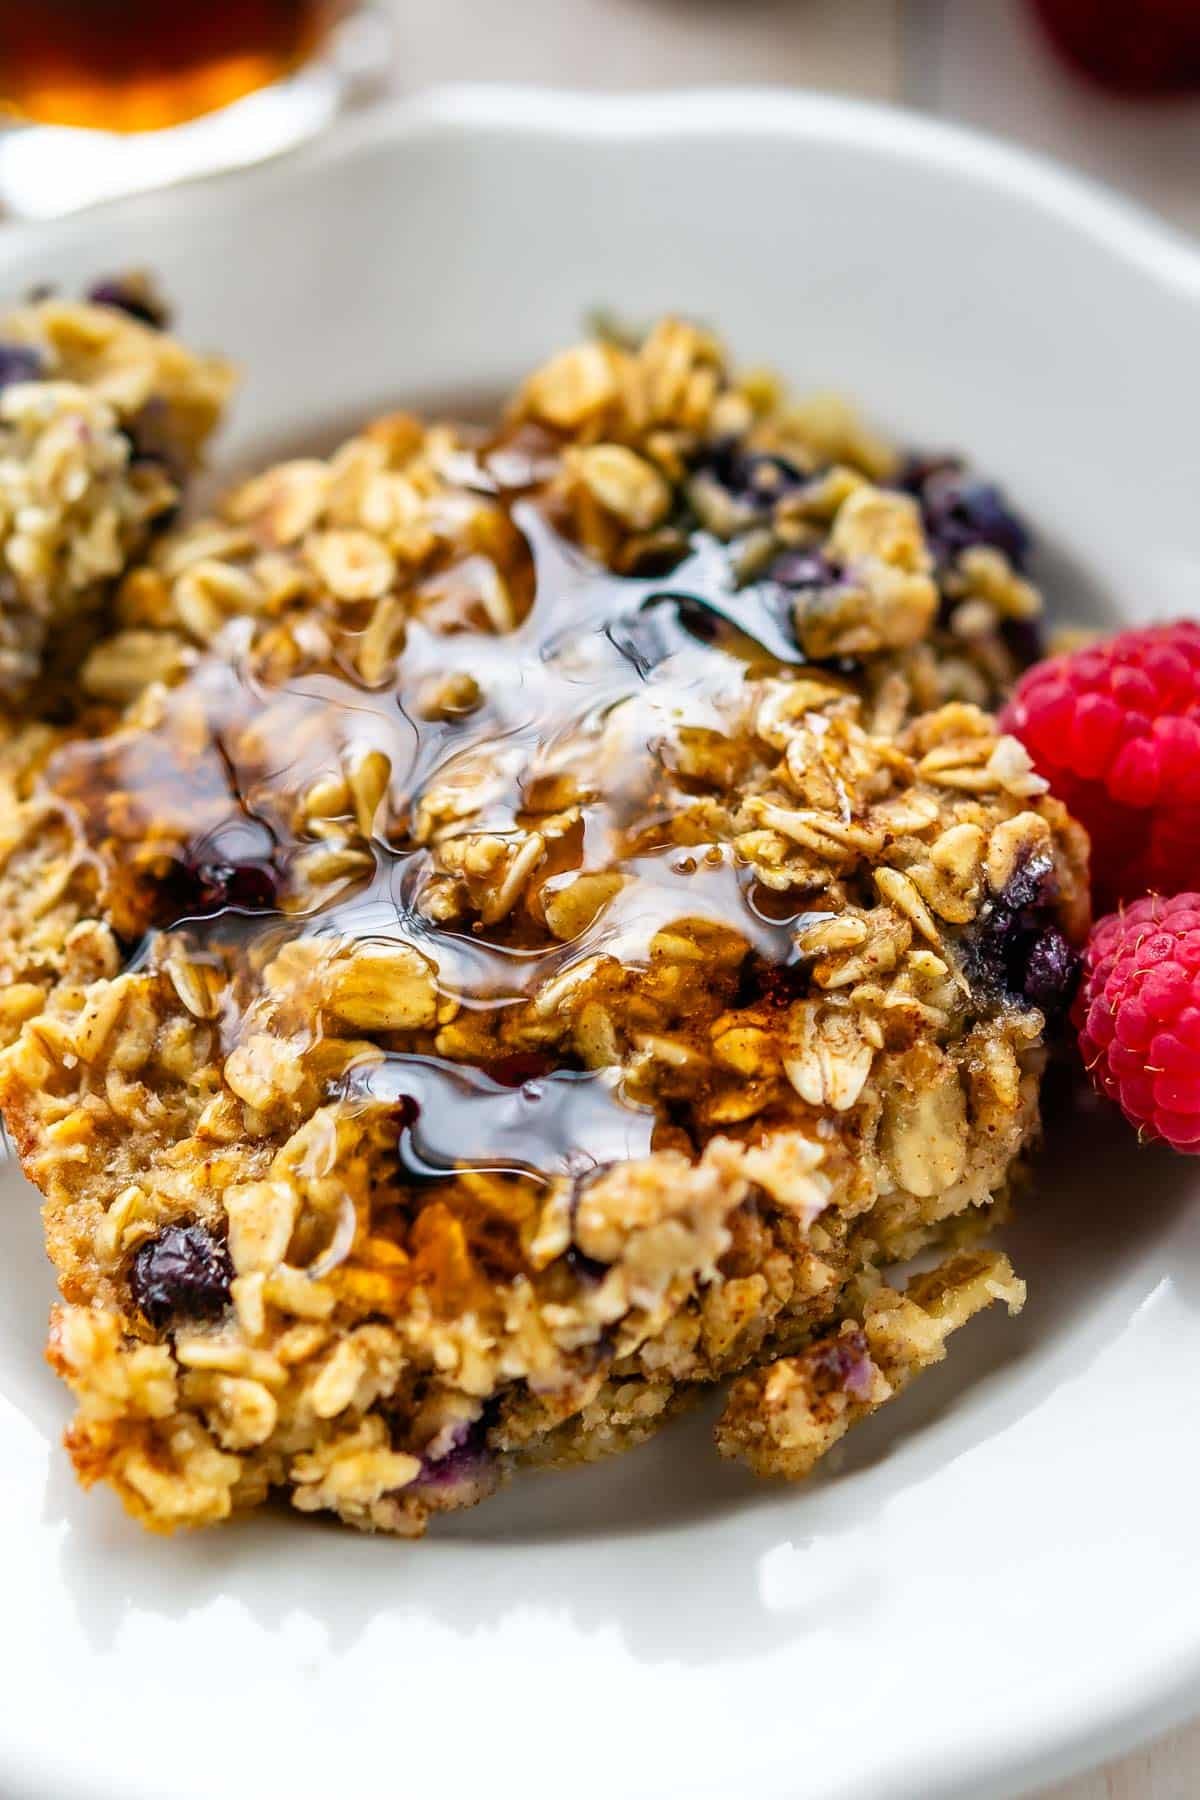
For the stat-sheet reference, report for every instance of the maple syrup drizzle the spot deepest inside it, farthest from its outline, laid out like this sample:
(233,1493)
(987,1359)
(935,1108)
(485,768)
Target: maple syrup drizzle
(575,1119)
(601,671)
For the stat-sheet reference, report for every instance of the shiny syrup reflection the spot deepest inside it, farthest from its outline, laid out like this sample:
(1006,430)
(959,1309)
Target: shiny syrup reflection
(585,695)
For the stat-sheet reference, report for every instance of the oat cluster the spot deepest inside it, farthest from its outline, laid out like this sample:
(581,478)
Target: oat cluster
(101,418)
(519,926)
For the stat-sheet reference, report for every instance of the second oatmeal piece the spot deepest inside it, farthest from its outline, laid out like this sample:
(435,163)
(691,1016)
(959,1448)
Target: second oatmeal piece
(102,417)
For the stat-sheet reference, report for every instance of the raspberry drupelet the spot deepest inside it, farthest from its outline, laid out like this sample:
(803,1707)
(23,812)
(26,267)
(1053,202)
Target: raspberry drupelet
(1115,729)
(1138,1015)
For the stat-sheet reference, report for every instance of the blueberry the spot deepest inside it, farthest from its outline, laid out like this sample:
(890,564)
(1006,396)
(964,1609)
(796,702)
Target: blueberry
(961,511)
(844,1363)
(752,477)
(1016,953)
(230,869)
(198,889)
(249,886)
(19,362)
(1051,973)
(183,1273)
(132,295)
(997,948)
(1028,885)
(917,470)
(466,1463)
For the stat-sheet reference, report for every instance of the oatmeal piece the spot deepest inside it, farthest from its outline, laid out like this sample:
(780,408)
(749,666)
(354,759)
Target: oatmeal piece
(531,924)
(102,416)
(781,1418)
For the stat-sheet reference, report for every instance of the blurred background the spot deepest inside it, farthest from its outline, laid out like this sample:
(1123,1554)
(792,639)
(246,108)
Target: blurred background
(1112,86)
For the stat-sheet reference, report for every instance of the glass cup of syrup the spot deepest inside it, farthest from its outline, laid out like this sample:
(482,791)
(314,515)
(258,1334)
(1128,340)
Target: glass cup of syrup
(106,97)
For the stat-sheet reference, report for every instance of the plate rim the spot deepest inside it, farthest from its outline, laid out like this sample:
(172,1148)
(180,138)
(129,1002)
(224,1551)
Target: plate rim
(1123,225)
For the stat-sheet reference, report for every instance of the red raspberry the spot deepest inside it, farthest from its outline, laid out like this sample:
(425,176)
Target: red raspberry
(1151,47)
(1138,1015)
(1115,729)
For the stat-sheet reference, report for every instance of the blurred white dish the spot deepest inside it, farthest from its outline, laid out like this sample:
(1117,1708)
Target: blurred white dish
(998,1583)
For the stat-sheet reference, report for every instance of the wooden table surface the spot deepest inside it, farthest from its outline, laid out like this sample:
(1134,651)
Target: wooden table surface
(974,60)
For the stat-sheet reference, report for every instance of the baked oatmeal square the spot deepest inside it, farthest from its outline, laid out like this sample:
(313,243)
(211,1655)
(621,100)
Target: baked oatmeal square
(504,929)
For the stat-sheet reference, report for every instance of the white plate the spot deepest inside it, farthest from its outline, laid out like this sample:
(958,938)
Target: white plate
(999,1582)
